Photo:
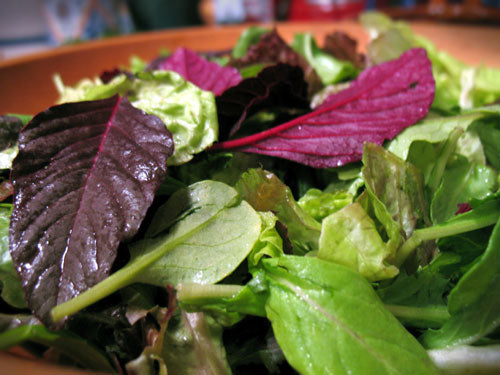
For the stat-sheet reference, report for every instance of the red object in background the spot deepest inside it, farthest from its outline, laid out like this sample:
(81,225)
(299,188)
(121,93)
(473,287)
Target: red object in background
(306,10)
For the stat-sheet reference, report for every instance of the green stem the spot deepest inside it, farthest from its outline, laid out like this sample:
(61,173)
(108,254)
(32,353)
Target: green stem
(466,222)
(123,277)
(187,293)
(425,317)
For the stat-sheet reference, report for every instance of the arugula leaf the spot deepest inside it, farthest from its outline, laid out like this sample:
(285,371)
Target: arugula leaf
(328,319)
(84,178)
(470,324)
(489,133)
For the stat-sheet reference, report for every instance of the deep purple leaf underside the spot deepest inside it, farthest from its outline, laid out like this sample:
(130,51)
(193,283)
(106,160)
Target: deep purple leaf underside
(205,74)
(378,105)
(279,85)
(85,175)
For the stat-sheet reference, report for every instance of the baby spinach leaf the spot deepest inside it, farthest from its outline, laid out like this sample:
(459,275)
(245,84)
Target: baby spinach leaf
(12,293)
(210,236)
(210,232)
(489,133)
(327,319)
(470,324)
(85,175)
(477,280)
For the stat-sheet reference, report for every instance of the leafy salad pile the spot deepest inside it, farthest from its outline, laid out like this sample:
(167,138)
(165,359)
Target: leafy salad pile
(276,208)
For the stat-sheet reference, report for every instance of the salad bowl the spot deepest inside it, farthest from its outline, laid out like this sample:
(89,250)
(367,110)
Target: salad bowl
(27,85)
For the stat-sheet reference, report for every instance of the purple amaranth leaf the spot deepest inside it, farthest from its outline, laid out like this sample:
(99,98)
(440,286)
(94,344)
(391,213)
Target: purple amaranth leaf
(85,175)
(205,74)
(379,104)
(279,85)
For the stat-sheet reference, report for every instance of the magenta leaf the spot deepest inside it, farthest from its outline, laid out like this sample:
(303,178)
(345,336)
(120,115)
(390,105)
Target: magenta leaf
(378,105)
(279,85)
(83,179)
(205,74)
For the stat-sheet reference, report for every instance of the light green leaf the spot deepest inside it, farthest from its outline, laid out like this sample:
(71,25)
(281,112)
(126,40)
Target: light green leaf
(248,37)
(328,68)
(328,320)
(319,204)
(349,237)
(187,111)
(212,233)
(433,130)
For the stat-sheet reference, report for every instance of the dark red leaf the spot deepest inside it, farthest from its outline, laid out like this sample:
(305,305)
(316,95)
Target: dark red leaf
(377,106)
(272,49)
(204,74)
(6,190)
(85,175)
(462,208)
(280,85)
(343,47)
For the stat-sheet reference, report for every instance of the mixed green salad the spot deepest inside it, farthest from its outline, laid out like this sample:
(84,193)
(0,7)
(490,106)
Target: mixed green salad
(277,208)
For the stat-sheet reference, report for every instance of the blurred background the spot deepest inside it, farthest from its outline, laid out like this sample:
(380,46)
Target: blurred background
(28,26)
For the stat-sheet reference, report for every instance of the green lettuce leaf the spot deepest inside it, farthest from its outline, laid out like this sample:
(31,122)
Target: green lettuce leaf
(350,237)
(320,204)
